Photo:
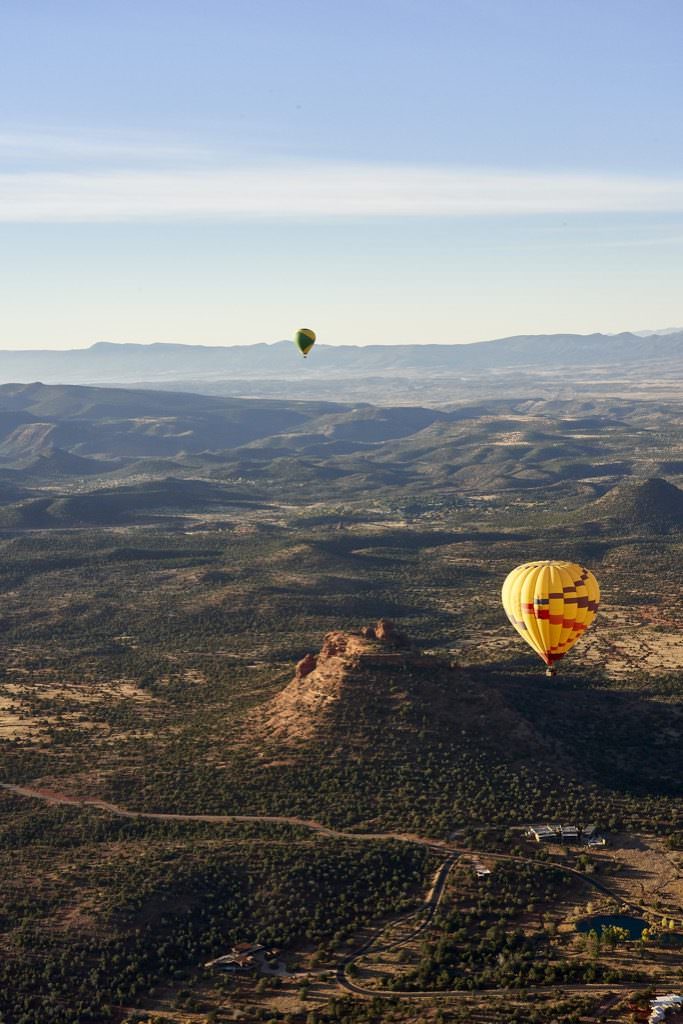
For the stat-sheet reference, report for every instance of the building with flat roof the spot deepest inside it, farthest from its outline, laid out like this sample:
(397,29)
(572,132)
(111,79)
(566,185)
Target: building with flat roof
(543,833)
(564,834)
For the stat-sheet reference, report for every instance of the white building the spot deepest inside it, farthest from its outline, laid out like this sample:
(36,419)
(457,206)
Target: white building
(543,833)
(661,1005)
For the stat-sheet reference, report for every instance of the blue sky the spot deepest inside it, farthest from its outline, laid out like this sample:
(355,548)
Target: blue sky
(224,171)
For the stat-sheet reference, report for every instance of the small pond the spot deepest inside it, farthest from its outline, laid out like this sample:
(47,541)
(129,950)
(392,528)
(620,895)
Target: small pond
(635,926)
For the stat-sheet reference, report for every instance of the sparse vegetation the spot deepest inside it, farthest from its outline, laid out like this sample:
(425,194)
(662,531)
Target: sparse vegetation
(153,601)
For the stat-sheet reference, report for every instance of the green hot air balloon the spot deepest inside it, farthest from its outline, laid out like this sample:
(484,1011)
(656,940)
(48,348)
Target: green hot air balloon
(304,340)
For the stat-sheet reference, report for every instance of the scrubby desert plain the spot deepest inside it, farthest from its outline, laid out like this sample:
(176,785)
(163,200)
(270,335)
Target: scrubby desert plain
(172,786)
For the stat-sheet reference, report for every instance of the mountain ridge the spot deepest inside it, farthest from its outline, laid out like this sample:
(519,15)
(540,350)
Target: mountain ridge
(160,362)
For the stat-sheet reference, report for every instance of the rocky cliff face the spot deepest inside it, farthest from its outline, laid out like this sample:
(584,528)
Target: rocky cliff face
(370,693)
(321,679)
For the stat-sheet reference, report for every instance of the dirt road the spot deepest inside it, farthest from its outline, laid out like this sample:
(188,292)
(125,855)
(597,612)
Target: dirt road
(448,849)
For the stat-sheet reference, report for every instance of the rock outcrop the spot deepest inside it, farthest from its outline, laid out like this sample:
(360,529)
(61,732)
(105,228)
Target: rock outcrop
(304,667)
(371,691)
(319,680)
(386,631)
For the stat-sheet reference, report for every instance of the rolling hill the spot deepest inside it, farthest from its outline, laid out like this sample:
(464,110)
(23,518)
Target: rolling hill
(72,438)
(36,419)
(653,505)
(124,504)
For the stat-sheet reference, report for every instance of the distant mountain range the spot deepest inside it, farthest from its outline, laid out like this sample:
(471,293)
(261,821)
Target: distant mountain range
(162,364)
(661,331)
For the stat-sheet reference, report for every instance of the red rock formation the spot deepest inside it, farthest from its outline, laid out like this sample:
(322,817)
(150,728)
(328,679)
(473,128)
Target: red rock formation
(334,645)
(304,667)
(386,631)
(298,711)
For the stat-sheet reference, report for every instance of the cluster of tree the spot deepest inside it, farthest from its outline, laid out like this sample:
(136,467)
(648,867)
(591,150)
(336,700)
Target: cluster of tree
(481,946)
(107,623)
(166,906)
(609,937)
(80,607)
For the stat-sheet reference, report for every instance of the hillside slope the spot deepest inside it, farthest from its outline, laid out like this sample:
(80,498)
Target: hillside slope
(653,505)
(36,419)
(371,726)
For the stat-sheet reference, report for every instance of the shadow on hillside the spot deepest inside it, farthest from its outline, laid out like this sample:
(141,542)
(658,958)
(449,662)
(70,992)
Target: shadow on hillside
(618,739)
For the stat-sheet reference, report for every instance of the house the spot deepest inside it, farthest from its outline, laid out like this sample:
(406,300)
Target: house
(543,833)
(480,870)
(232,964)
(591,836)
(661,1005)
(553,833)
(247,949)
(242,957)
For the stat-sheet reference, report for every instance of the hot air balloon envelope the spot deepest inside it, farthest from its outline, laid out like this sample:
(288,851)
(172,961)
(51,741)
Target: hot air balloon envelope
(304,339)
(551,604)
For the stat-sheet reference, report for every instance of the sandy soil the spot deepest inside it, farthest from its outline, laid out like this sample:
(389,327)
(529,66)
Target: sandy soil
(634,638)
(13,724)
(649,871)
(623,640)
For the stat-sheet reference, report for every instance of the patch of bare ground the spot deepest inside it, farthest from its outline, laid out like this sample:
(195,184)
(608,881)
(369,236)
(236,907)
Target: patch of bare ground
(643,870)
(81,692)
(17,722)
(623,640)
(78,920)
(170,1015)
(13,727)
(634,639)
(247,998)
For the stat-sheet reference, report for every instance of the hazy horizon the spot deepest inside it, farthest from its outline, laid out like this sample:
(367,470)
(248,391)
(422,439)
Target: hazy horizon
(398,172)
(272,739)
(661,332)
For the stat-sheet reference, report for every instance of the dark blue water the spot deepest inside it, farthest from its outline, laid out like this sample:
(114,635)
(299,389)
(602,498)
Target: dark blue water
(633,925)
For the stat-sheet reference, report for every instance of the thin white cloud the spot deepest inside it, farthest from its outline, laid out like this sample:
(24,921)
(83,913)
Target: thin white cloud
(41,144)
(323,190)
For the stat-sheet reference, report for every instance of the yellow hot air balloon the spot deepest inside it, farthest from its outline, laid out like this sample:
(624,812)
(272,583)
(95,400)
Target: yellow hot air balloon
(550,604)
(304,339)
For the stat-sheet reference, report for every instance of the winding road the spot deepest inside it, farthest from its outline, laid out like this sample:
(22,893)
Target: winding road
(425,914)
(440,846)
